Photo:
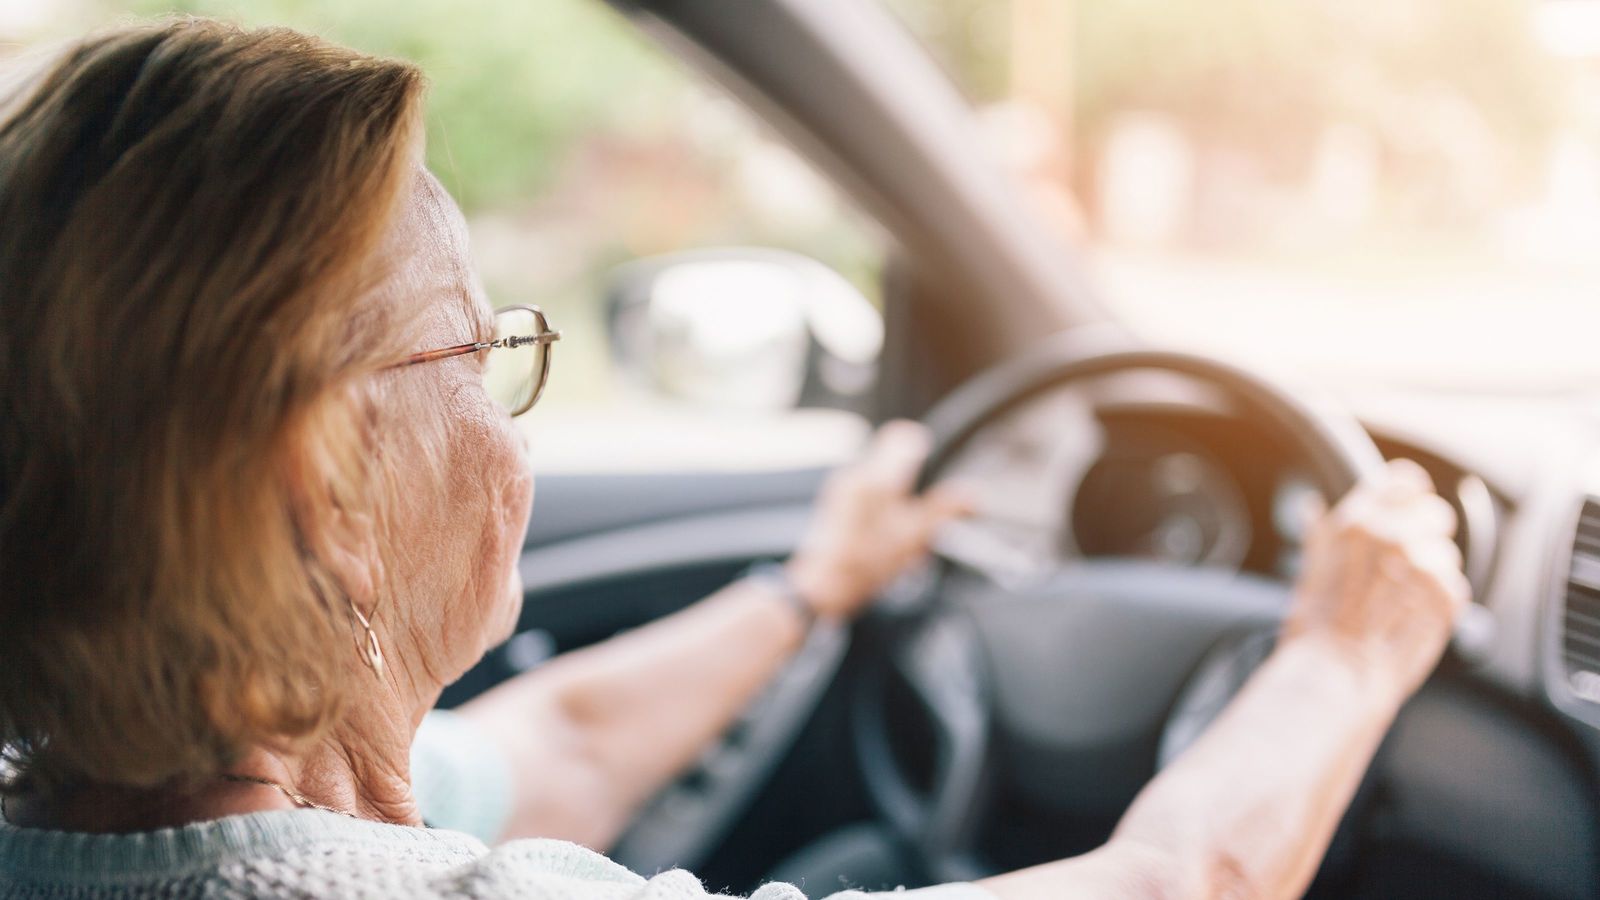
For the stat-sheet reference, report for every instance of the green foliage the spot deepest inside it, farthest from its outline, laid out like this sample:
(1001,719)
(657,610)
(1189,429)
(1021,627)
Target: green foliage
(512,84)
(515,84)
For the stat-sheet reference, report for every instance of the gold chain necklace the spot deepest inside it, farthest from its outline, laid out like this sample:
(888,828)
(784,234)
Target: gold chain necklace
(293,795)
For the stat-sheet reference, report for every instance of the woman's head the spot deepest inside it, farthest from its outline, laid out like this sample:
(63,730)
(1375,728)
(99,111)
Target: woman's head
(213,243)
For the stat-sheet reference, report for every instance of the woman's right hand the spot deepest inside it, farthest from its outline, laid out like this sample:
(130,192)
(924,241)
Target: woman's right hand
(1382,584)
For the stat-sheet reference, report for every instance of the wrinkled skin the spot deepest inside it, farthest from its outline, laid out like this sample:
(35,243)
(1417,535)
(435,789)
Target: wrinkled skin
(460,471)
(1383,581)
(434,568)
(437,573)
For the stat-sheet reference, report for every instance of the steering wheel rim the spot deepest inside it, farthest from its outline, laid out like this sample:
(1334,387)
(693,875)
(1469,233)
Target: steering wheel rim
(940,824)
(1338,449)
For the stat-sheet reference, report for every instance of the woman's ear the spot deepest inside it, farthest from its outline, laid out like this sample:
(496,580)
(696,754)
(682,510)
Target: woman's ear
(338,535)
(351,556)
(344,544)
(350,552)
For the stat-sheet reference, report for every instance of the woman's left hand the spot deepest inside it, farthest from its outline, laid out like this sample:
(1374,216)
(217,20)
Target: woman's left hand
(595,733)
(868,525)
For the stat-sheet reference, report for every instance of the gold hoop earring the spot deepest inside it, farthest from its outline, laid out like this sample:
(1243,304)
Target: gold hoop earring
(371,652)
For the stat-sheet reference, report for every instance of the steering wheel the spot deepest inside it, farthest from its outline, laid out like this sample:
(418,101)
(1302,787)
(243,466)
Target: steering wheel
(1079,670)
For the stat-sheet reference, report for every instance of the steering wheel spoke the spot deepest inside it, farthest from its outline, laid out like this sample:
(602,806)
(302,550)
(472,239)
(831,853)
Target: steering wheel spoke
(940,667)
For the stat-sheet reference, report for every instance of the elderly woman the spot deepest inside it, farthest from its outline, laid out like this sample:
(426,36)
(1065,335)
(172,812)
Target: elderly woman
(261,500)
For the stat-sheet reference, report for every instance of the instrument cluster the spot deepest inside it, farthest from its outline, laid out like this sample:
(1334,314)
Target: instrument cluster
(1062,476)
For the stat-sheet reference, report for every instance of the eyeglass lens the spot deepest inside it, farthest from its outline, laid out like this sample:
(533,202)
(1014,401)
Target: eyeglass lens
(515,376)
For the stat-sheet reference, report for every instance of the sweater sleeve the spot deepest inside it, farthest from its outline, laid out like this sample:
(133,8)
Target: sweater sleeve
(540,868)
(461,781)
(937,892)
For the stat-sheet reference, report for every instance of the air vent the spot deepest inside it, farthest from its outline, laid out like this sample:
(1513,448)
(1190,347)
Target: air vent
(1580,636)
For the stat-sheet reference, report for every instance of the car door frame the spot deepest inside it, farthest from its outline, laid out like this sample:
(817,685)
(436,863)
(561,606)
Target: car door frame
(978,273)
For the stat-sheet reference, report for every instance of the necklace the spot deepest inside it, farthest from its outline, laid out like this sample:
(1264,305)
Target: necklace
(293,795)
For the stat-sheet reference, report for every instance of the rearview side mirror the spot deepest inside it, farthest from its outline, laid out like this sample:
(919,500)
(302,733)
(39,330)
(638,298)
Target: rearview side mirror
(744,329)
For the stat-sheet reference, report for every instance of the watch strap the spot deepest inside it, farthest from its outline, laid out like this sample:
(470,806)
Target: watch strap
(776,576)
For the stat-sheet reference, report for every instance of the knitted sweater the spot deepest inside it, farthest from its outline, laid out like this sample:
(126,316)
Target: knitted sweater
(306,853)
(460,784)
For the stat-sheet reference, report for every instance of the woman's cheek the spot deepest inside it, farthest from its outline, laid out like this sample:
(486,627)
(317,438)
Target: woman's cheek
(516,507)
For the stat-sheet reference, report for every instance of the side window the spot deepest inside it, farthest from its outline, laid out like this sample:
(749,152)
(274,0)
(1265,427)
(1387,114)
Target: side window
(718,298)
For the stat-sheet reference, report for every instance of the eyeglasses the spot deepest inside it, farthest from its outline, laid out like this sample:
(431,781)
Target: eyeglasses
(519,357)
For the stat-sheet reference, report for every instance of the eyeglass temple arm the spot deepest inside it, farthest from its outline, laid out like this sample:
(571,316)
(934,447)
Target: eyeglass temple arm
(548,337)
(514,341)
(445,353)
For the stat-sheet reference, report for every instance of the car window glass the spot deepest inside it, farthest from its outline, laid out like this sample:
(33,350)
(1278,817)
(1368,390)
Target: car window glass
(575,145)
(1405,192)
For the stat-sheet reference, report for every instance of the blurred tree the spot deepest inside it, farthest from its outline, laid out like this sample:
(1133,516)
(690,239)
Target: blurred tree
(512,84)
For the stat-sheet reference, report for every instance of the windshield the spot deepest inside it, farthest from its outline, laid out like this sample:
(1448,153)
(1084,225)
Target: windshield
(1405,191)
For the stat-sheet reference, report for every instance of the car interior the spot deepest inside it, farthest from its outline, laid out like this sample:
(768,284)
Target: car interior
(1145,509)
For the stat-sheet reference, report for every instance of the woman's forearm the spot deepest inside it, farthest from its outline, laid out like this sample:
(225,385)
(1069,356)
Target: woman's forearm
(1248,810)
(598,731)
(595,733)
(651,700)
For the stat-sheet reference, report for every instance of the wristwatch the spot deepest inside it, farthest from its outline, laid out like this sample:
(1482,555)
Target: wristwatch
(776,576)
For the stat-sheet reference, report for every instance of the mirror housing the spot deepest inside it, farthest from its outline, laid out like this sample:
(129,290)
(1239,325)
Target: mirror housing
(744,329)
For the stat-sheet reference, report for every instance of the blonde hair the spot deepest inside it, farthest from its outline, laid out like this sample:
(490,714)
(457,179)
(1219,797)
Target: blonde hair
(188,212)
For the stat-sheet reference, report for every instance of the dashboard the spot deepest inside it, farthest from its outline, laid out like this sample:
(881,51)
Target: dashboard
(1156,467)
(1152,466)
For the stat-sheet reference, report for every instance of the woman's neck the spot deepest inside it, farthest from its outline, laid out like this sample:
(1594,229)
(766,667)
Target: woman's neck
(361,768)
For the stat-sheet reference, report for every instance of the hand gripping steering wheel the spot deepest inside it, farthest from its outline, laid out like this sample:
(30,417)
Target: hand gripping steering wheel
(1076,675)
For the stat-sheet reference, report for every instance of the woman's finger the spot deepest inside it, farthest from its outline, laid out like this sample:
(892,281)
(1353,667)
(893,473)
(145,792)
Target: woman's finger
(944,502)
(895,457)
(1425,516)
(1435,556)
(1404,478)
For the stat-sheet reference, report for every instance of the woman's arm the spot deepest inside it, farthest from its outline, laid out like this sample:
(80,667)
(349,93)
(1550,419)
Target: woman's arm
(1248,810)
(595,733)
